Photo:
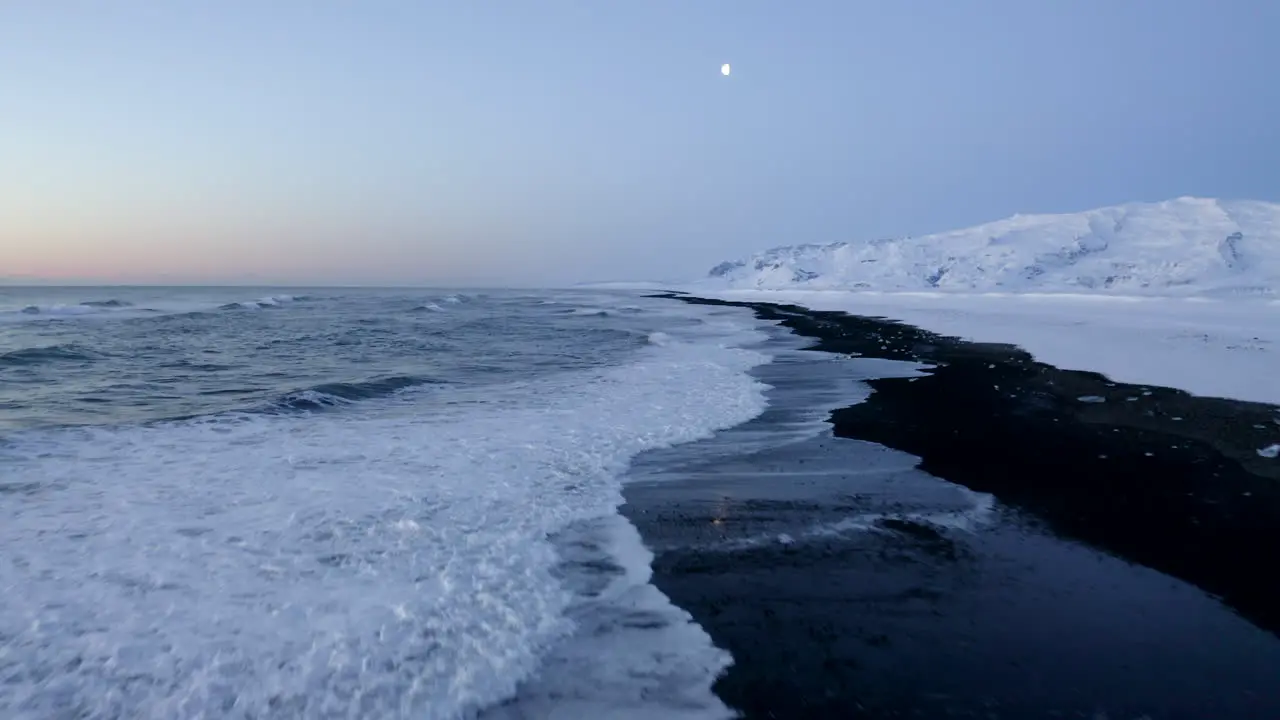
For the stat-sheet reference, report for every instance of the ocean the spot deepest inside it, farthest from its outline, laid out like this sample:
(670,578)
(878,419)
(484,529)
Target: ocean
(516,505)
(349,503)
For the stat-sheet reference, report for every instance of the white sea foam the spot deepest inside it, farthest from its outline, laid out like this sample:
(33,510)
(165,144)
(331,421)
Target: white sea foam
(404,558)
(979,514)
(266,302)
(634,655)
(660,338)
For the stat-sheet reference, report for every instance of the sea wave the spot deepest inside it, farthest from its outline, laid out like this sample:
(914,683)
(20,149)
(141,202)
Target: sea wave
(270,301)
(50,354)
(434,560)
(58,310)
(113,303)
(328,395)
(119,308)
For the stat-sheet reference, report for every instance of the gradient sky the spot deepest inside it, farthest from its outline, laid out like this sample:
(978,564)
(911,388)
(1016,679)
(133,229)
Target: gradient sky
(544,142)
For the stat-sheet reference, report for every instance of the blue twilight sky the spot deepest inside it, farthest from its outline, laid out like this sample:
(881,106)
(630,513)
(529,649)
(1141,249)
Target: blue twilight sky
(548,141)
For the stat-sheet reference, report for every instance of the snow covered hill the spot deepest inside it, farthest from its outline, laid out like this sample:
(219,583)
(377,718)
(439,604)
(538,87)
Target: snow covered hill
(1187,246)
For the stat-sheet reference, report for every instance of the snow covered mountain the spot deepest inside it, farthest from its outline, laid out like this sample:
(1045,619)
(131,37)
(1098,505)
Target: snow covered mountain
(1187,246)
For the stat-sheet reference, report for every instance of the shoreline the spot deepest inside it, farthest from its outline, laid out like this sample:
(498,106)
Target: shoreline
(1209,497)
(848,624)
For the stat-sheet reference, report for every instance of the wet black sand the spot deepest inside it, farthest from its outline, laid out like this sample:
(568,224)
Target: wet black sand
(1127,570)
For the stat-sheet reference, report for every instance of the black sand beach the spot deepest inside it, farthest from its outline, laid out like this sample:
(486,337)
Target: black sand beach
(1124,569)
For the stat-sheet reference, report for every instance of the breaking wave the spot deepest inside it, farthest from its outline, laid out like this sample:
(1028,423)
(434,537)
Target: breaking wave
(261,303)
(327,395)
(58,310)
(453,559)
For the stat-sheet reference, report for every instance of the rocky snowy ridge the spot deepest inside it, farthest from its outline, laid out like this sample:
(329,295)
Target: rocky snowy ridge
(1186,246)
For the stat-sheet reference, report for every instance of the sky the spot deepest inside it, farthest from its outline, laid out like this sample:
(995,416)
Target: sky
(491,142)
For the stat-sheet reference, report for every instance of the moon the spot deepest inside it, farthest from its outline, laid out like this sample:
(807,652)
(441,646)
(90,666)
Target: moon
(724,69)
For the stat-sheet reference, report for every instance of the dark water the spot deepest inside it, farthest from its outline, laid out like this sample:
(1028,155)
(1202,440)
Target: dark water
(140,355)
(347,503)
(849,579)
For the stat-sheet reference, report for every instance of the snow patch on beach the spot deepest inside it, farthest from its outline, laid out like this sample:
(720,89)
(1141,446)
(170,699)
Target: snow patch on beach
(1215,348)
